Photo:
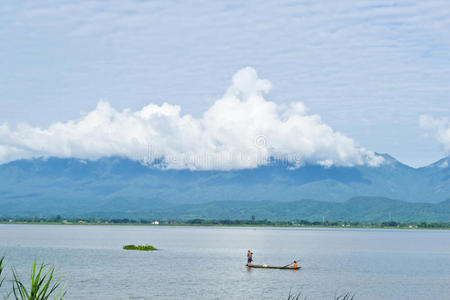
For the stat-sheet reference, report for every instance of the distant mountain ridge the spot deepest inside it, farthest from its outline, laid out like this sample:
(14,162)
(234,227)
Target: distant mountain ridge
(73,186)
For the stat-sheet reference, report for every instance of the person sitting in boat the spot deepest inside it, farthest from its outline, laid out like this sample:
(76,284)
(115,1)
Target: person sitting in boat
(249,257)
(295,264)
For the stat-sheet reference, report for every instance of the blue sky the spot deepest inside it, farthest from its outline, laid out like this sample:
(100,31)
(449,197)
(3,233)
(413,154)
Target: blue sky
(370,69)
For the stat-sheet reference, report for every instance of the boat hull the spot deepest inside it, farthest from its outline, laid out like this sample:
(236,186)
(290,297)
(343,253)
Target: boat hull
(272,267)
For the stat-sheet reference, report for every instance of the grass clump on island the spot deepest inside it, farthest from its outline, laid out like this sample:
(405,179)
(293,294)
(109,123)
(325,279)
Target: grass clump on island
(139,247)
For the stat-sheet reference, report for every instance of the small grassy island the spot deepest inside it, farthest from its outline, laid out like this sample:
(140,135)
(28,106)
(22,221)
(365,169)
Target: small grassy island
(140,247)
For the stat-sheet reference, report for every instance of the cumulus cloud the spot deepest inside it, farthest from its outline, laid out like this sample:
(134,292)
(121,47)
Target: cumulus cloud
(240,130)
(439,128)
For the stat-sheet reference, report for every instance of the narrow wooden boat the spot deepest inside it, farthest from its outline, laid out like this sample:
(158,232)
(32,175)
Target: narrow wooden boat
(272,267)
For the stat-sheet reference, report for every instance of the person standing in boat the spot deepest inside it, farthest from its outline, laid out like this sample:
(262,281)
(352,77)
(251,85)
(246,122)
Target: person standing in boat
(249,257)
(295,264)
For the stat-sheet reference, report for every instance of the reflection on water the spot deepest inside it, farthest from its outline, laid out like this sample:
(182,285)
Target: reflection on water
(209,262)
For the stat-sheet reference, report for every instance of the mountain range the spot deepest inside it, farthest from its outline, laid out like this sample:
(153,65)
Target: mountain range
(120,186)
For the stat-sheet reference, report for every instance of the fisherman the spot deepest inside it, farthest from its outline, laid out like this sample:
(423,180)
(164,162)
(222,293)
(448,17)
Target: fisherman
(295,264)
(249,257)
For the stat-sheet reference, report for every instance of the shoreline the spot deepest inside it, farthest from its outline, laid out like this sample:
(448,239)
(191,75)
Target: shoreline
(235,225)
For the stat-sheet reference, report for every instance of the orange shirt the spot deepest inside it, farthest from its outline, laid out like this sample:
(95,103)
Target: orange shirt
(295,265)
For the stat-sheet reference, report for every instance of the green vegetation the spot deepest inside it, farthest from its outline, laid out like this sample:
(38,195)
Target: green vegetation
(140,247)
(229,222)
(325,223)
(360,210)
(43,284)
(2,259)
(346,296)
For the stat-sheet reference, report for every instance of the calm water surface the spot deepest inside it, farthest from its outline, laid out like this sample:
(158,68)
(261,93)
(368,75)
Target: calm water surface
(208,262)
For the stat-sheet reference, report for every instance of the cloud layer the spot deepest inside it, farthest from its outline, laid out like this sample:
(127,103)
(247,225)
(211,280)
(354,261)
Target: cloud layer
(365,59)
(439,128)
(240,130)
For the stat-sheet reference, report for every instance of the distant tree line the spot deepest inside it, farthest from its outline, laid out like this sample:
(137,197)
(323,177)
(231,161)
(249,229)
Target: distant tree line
(222,222)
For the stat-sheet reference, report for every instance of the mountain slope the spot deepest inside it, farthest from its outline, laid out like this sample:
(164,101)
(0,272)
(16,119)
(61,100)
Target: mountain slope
(75,186)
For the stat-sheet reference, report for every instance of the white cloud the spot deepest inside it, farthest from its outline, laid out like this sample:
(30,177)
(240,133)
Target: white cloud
(439,128)
(240,130)
(365,59)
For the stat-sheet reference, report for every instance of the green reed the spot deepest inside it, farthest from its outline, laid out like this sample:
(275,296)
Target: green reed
(346,296)
(43,285)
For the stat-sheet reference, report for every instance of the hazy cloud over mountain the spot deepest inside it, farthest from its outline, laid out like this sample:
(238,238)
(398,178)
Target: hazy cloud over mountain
(240,130)
(439,128)
(368,68)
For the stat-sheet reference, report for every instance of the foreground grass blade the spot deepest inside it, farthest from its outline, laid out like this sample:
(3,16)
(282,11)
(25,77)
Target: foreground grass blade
(2,259)
(347,296)
(43,285)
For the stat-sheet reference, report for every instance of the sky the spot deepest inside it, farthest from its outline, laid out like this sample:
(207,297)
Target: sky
(343,79)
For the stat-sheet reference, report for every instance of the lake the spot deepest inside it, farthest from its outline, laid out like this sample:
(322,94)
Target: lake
(209,262)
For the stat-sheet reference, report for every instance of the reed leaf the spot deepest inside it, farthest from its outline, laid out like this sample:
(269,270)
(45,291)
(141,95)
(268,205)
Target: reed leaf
(2,260)
(43,285)
(347,296)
